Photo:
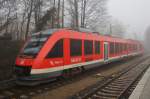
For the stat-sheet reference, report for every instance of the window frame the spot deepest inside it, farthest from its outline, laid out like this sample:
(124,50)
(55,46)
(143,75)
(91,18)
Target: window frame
(88,44)
(97,46)
(73,52)
(112,48)
(60,50)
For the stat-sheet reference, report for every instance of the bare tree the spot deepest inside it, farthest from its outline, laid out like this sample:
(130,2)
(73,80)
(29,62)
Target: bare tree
(92,13)
(37,10)
(73,11)
(8,11)
(83,10)
(96,15)
(36,15)
(58,16)
(117,28)
(42,23)
(63,4)
(30,5)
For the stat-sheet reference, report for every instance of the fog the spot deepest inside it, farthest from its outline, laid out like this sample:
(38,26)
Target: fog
(133,13)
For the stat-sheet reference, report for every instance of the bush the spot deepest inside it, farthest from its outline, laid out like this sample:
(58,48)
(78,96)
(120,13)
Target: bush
(8,53)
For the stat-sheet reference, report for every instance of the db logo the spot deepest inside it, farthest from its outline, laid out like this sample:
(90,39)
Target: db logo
(51,62)
(22,62)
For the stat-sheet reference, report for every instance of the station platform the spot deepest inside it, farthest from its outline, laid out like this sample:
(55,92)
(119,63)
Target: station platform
(142,90)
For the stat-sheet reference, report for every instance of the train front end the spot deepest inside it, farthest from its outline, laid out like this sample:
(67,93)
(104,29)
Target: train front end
(28,55)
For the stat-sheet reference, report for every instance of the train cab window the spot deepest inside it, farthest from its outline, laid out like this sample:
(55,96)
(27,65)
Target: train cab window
(36,42)
(75,47)
(97,47)
(88,47)
(57,50)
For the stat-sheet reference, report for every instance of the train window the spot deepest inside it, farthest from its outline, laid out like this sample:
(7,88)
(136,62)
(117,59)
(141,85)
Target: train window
(57,50)
(121,47)
(88,47)
(75,47)
(136,47)
(125,47)
(97,47)
(112,48)
(35,43)
(128,47)
(131,47)
(141,47)
(117,48)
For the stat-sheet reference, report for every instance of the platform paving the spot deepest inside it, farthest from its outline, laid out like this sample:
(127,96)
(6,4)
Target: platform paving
(142,90)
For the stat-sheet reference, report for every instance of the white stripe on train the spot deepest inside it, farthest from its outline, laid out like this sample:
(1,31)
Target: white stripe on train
(49,70)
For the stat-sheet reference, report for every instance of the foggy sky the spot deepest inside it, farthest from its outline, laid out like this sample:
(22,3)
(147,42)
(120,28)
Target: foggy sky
(135,14)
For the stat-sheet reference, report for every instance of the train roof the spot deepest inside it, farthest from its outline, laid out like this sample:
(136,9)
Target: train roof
(85,33)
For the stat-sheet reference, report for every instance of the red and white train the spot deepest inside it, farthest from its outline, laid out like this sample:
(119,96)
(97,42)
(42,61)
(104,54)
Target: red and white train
(59,52)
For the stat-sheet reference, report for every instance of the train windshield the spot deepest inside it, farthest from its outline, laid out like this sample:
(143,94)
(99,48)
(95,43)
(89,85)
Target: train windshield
(36,42)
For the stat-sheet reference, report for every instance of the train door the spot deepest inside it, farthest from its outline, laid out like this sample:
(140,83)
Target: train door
(106,51)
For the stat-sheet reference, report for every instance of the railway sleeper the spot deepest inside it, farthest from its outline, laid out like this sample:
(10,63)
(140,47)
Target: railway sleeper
(117,87)
(118,84)
(110,91)
(114,89)
(121,82)
(100,93)
(99,97)
(126,78)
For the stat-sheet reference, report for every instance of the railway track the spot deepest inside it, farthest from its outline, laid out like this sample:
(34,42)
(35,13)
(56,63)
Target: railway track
(118,86)
(21,92)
